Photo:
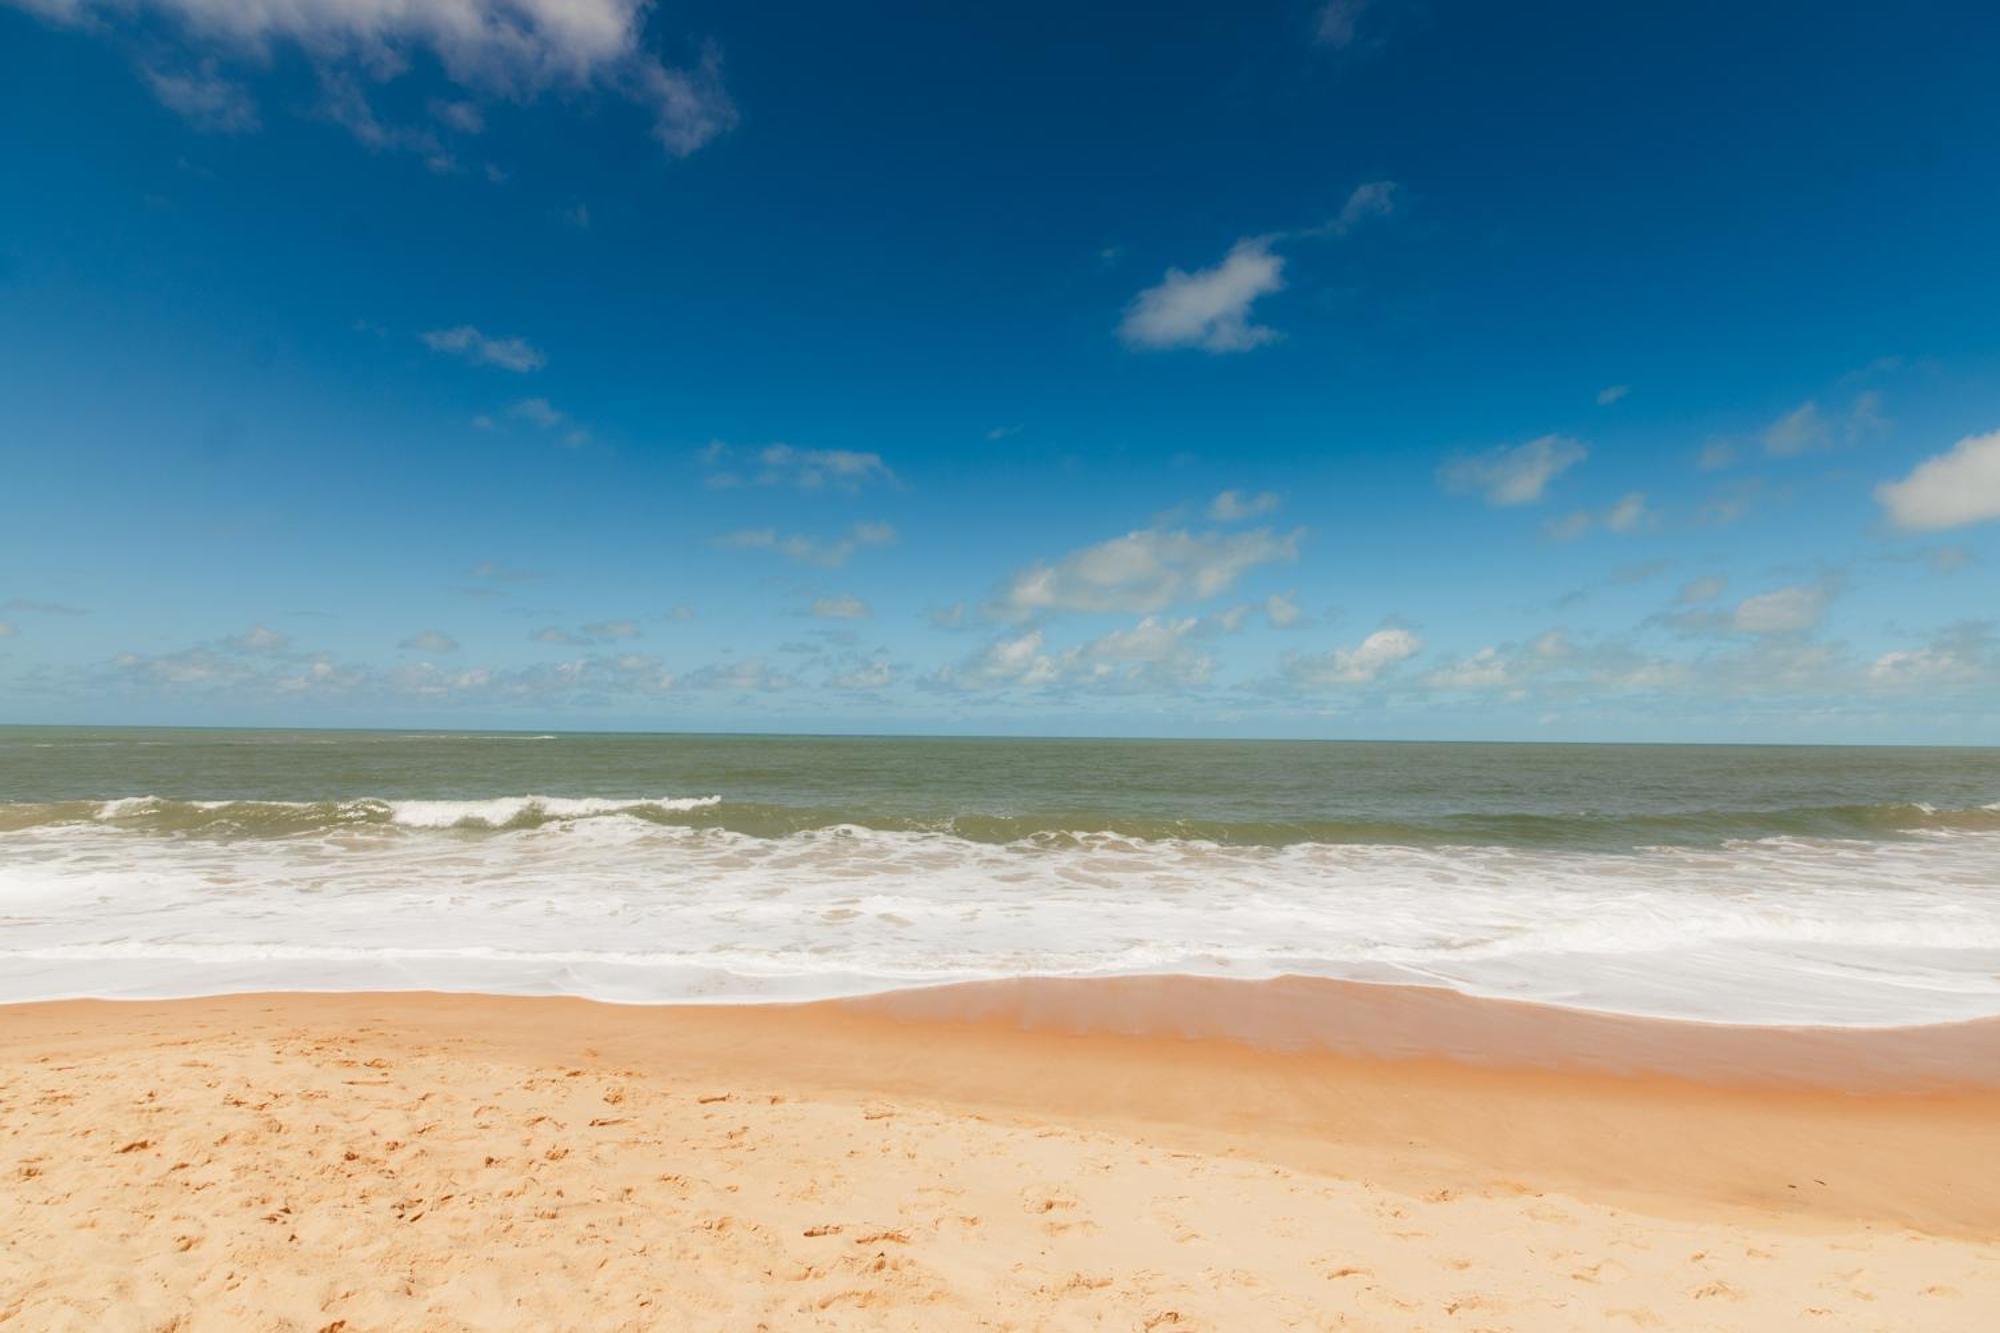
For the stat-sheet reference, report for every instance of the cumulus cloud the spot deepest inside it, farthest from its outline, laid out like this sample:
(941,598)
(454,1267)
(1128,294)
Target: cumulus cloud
(1362,664)
(1208,308)
(513,49)
(430,641)
(1790,610)
(463,340)
(844,607)
(1612,393)
(1948,490)
(1155,655)
(1235,506)
(783,465)
(809,550)
(1014,660)
(1512,475)
(1143,571)
(1281,610)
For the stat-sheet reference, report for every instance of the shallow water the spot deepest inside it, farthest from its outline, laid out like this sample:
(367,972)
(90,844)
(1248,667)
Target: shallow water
(1741,884)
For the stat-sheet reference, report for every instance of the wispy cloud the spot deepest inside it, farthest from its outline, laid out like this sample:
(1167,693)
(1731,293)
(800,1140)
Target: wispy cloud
(783,465)
(203,97)
(1628,515)
(491,48)
(830,554)
(430,641)
(1337,22)
(844,607)
(1512,475)
(464,341)
(1235,506)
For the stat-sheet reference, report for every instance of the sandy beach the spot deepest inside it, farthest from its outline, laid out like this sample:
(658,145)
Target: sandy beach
(1159,1153)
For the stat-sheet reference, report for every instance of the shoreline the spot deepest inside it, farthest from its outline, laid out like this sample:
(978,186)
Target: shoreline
(1030,1154)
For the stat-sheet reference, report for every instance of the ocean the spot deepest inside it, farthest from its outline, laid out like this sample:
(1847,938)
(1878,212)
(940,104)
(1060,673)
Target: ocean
(1738,884)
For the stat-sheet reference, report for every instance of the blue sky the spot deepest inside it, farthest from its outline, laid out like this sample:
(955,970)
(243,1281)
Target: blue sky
(1374,369)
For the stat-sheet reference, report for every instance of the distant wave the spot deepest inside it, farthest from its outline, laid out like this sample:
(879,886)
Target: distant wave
(1580,830)
(156,814)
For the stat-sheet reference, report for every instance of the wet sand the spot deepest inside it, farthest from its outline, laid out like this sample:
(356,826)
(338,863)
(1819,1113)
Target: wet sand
(1162,1152)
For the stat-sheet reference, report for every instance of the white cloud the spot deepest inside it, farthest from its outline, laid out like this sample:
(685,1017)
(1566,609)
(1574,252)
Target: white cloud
(1948,490)
(1628,515)
(1964,656)
(1369,200)
(874,675)
(538,411)
(601,631)
(1235,506)
(430,641)
(1612,393)
(1360,665)
(203,97)
(515,354)
(845,607)
(1209,308)
(1791,610)
(809,550)
(1281,611)
(1696,591)
(6,630)
(465,117)
(748,676)
(1716,455)
(1513,475)
(1334,25)
(690,106)
(1143,571)
(1799,431)
(496,48)
(1805,429)
(783,465)
(1570,526)
(260,639)
(1154,655)
(1505,669)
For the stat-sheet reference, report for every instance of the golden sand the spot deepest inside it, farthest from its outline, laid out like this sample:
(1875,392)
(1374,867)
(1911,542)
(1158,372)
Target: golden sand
(1150,1154)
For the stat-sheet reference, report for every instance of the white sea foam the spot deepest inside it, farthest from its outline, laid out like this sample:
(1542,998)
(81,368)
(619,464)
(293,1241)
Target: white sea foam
(580,896)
